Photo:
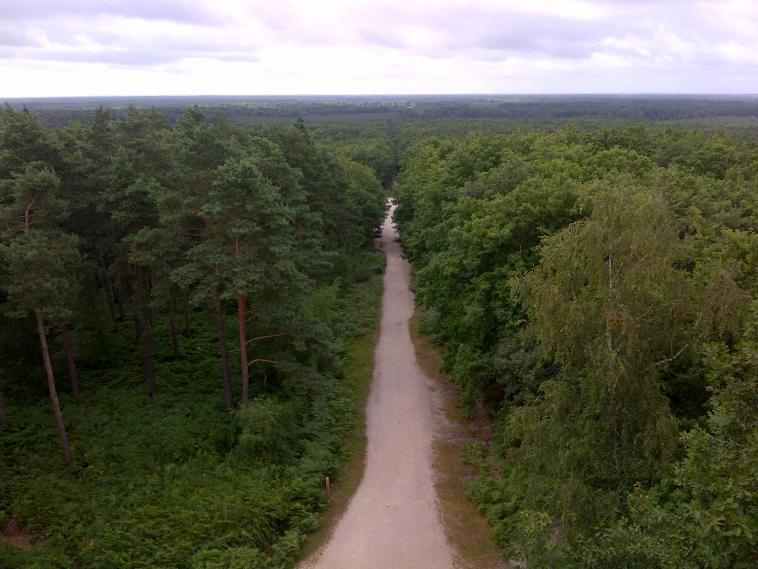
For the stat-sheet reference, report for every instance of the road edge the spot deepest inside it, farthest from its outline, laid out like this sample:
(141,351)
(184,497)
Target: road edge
(359,372)
(466,529)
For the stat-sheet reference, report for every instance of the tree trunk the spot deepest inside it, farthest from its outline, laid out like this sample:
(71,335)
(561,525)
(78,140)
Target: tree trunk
(69,348)
(185,303)
(117,298)
(149,370)
(146,333)
(174,335)
(242,315)
(146,348)
(136,326)
(218,315)
(105,283)
(608,337)
(2,411)
(51,386)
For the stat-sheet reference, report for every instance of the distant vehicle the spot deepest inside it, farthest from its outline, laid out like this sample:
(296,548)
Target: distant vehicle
(377,232)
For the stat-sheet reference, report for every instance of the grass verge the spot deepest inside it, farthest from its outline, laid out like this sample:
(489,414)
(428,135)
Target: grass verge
(466,528)
(358,371)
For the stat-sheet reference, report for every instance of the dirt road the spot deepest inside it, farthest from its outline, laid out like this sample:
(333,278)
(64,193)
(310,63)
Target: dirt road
(393,521)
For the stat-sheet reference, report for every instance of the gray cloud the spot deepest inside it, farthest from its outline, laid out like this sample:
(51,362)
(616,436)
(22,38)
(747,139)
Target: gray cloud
(652,38)
(133,57)
(502,28)
(189,11)
(133,33)
(10,36)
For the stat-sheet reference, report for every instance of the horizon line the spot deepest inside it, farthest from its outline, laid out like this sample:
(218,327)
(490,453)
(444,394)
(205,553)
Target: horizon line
(359,95)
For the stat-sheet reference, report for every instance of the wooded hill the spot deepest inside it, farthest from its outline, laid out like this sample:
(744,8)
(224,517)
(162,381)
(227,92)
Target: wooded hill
(188,292)
(597,291)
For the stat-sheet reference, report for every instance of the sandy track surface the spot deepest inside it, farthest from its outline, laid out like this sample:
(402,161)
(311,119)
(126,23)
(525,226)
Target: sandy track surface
(393,521)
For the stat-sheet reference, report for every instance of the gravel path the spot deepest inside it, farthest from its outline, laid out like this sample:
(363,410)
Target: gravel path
(393,521)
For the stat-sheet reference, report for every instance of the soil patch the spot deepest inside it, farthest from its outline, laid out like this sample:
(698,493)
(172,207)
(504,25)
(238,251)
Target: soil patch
(16,536)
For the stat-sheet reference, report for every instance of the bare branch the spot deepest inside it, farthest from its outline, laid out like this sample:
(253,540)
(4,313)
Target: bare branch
(672,358)
(261,360)
(685,346)
(268,336)
(27,212)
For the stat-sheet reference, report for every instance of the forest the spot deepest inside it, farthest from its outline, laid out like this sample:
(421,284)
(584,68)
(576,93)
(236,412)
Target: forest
(358,109)
(189,292)
(596,293)
(181,288)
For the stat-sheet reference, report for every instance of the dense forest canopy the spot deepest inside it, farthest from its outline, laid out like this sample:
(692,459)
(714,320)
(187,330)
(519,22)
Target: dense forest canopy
(598,292)
(130,249)
(359,108)
(179,286)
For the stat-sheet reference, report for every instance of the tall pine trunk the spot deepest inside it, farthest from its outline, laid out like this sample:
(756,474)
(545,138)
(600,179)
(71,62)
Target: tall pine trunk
(105,283)
(136,326)
(146,332)
(117,298)
(146,349)
(218,315)
(185,305)
(51,386)
(174,335)
(69,349)
(242,315)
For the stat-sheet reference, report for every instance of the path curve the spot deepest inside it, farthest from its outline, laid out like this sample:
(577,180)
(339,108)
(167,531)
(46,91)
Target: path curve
(393,520)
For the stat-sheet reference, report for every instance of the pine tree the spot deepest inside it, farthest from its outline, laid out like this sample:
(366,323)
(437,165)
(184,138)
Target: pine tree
(251,247)
(198,150)
(41,262)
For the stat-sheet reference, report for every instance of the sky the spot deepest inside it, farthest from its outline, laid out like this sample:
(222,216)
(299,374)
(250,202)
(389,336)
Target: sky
(54,48)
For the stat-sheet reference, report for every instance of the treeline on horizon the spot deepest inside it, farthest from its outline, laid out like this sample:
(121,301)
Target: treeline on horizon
(159,277)
(597,292)
(515,109)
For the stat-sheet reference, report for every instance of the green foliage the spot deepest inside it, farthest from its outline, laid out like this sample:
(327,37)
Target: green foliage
(704,513)
(136,220)
(594,289)
(23,140)
(590,284)
(41,273)
(231,558)
(266,426)
(177,481)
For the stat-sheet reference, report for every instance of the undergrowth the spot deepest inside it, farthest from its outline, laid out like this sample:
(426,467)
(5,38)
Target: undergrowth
(175,480)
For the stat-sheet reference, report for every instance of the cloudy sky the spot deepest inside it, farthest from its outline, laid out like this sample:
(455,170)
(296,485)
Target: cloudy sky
(249,47)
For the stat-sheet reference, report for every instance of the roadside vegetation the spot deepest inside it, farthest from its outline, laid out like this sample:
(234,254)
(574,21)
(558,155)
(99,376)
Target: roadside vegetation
(358,369)
(456,433)
(177,305)
(597,291)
